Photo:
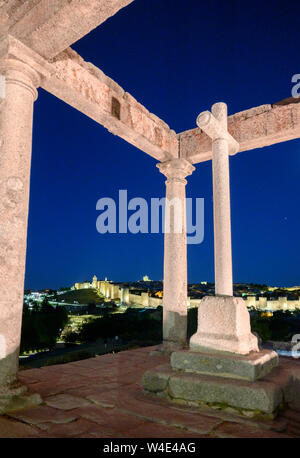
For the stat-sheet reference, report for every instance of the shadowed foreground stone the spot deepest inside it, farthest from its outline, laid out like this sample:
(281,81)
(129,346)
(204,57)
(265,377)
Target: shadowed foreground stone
(262,395)
(16,403)
(156,380)
(241,395)
(123,410)
(250,367)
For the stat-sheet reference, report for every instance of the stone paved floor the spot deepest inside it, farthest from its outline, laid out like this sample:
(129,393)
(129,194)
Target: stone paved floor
(102,397)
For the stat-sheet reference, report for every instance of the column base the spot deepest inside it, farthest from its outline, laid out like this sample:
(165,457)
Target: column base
(174,327)
(224,327)
(15,397)
(167,348)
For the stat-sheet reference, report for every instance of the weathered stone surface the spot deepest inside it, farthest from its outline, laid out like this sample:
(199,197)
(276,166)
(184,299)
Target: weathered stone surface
(264,396)
(96,389)
(66,402)
(157,379)
(21,402)
(253,128)
(175,251)
(223,326)
(90,91)
(167,348)
(234,430)
(80,427)
(10,429)
(41,414)
(118,421)
(250,367)
(260,396)
(161,431)
(50,27)
(288,376)
(221,148)
(127,411)
(22,69)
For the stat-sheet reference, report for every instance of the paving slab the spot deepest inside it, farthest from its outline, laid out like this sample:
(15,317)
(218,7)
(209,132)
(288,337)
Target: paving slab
(235,430)
(94,388)
(14,429)
(110,418)
(66,402)
(80,427)
(151,430)
(118,406)
(42,414)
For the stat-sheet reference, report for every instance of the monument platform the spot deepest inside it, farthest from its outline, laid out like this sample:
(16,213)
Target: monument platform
(102,397)
(250,367)
(247,397)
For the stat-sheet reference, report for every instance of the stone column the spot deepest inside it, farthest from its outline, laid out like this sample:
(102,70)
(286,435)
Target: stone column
(221,196)
(223,320)
(21,70)
(175,253)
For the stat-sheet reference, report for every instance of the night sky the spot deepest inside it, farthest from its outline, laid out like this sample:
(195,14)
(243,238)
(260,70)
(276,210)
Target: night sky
(176,58)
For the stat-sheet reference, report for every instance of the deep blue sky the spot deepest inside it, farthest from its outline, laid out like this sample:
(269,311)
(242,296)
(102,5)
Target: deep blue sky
(177,58)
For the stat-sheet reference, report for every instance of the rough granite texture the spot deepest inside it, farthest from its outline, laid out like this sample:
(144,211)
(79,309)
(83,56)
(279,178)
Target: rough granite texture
(175,251)
(251,367)
(22,70)
(253,128)
(103,397)
(49,27)
(223,326)
(279,387)
(215,125)
(89,90)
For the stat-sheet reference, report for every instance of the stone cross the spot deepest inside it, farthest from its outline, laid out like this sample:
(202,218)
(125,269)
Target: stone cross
(215,126)
(223,320)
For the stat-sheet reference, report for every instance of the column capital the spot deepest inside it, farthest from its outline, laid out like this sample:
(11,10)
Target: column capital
(20,65)
(176,169)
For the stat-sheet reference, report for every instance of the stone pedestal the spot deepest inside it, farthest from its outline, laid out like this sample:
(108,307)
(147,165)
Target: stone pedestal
(247,398)
(223,366)
(223,326)
(250,367)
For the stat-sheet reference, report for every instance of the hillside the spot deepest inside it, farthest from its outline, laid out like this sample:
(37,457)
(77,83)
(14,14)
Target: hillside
(82,296)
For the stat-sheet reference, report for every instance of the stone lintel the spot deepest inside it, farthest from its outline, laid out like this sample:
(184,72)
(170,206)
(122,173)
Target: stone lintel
(256,127)
(49,26)
(86,88)
(250,367)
